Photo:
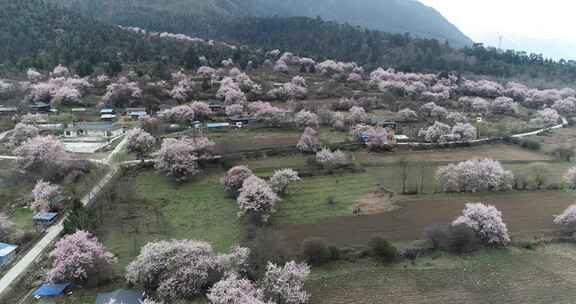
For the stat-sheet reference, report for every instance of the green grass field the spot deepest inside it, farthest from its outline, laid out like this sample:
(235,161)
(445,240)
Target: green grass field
(164,210)
(492,276)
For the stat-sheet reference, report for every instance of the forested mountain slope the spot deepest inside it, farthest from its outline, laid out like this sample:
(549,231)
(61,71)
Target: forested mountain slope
(395,16)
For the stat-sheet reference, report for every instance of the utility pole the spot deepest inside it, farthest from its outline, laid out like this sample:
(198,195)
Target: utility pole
(500,42)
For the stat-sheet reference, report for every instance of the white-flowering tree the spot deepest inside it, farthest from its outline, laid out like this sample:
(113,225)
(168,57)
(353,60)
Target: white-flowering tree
(464,132)
(140,142)
(183,114)
(281,179)
(234,110)
(257,198)
(235,177)
(456,117)
(504,105)
(479,175)
(285,284)
(487,222)
(178,159)
(570,178)
(41,153)
(357,115)
(567,220)
(377,139)
(565,106)
(21,133)
(331,160)
(234,289)
(201,110)
(408,115)
(181,269)
(44,194)
(309,141)
(307,119)
(436,133)
(545,118)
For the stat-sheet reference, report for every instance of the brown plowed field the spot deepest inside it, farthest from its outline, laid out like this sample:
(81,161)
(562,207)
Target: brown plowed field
(527,214)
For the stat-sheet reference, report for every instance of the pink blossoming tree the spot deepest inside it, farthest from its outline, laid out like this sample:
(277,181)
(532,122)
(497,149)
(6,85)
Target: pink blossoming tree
(77,257)
(235,177)
(44,194)
(41,153)
(487,222)
(309,141)
(177,159)
(257,199)
(140,142)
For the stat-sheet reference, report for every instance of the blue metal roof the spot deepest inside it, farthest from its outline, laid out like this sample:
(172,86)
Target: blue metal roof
(217,125)
(106,111)
(50,290)
(6,249)
(45,216)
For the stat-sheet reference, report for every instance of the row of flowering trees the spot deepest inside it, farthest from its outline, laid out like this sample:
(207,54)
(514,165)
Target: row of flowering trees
(180,270)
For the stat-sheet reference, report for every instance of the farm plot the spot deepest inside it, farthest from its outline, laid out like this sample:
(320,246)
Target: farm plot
(552,139)
(238,140)
(499,152)
(516,276)
(159,209)
(527,214)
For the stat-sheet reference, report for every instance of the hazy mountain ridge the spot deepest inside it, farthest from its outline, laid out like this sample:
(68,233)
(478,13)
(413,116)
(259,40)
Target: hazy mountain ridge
(396,16)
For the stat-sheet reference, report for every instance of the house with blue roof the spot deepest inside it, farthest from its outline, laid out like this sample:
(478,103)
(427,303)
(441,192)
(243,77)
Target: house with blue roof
(44,218)
(7,253)
(50,290)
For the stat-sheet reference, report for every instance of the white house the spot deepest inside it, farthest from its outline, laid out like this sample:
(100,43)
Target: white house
(93,129)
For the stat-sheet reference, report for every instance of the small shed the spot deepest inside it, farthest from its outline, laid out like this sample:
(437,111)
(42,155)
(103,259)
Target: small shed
(136,113)
(8,110)
(120,296)
(7,253)
(217,125)
(216,106)
(39,107)
(242,119)
(78,110)
(50,290)
(44,218)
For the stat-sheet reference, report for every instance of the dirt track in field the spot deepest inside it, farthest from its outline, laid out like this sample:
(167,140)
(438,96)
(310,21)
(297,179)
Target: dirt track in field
(527,214)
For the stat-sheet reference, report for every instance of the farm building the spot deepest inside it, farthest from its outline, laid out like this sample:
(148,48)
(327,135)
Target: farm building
(124,296)
(217,125)
(44,218)
(7,253)
(242,119)
(7,111)
(50,290)
(216,106)
(93,129)
(107,114)
(39,107)
(50,128)
(136,113)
